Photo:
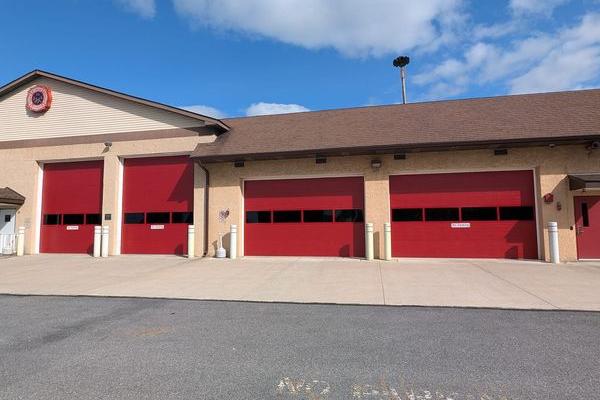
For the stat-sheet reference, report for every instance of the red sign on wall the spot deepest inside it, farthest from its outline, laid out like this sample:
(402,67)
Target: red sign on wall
(39,99)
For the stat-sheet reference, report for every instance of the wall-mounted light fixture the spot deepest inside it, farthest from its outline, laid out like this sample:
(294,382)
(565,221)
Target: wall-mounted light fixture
(500,152)
(238,163)
(595,145)
(375,164)
(400,156)
(107,146)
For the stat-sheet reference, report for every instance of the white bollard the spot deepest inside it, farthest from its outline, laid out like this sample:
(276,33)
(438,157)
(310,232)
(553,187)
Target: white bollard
(97,240)
(104,251)
(553,242)
(387,241)
(191,240)
(233,242)
(369,241)
(21,241)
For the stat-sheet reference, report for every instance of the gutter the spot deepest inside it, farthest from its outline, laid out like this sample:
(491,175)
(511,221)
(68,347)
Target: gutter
(398,148)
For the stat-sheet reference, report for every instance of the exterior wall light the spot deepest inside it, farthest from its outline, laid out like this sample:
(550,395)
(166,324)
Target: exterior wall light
(399,156)
(321,160)
(375,164)
(238,163)
(500,152)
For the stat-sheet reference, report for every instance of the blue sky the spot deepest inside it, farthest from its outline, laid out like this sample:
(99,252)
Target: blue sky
(245,57)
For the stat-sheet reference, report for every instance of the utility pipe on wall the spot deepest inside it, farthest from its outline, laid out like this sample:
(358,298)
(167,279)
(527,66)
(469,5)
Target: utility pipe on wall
(553,242)
(369,241)
(206,207)
(233,242)
(97,240)
(387,241)
(104,247)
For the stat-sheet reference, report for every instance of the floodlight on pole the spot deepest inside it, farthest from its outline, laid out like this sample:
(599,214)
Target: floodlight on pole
(401,62)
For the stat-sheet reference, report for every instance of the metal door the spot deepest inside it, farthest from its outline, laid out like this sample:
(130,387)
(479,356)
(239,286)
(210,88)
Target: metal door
(587,226)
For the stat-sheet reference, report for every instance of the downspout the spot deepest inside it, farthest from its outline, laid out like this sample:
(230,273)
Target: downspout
(207,182)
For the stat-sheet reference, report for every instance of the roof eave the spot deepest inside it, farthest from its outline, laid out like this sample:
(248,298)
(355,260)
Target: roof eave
(9,196)
(584,182)
(392,149)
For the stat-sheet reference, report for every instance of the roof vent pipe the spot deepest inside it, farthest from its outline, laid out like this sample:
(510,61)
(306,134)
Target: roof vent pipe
(401,62)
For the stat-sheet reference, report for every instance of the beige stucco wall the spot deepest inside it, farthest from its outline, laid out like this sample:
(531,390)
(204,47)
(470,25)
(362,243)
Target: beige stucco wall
(551,166)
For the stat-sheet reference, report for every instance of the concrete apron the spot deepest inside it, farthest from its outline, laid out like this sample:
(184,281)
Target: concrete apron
(418,282)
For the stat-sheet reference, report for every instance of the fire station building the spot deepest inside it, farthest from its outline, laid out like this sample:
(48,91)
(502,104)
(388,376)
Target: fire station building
(476,178)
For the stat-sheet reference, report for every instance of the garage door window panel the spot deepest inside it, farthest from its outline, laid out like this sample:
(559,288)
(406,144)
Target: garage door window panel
(182,218)
(441,214)
(407,214)
(318,215)
(355,215)
(479,214)
(287,216)
(258,217)
(52,219)
(73,219)
(158,218)
(134,218)
(516,213)
(93,219)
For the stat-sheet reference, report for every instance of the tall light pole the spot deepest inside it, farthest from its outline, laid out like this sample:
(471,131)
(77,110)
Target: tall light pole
(401,62)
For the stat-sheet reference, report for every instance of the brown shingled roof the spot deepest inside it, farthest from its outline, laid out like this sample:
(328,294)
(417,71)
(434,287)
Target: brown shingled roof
(9,196)
(506,120)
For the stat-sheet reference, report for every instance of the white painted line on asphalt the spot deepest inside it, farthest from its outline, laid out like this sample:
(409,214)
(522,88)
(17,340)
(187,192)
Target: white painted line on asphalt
(315,389)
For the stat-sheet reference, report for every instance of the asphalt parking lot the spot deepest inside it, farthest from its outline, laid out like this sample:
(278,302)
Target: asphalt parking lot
(123,348)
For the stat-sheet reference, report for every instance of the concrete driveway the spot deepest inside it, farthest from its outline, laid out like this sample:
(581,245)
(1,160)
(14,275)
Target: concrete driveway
(463,283)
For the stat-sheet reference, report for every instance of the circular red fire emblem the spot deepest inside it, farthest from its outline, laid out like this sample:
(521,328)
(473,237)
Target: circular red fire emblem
(39,98)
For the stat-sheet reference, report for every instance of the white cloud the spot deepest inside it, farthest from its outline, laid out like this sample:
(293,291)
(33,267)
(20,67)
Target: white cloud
(544,7)
(254,109)
(206,110)
(514,53)
(144,8)
(273,108)
(566,59)
(495,31)
(573,62)
(354,27)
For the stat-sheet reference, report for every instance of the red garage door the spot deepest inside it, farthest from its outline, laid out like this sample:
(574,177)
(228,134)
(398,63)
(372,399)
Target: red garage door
(305,217)
(71,206)
(158,198)
(479,214)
